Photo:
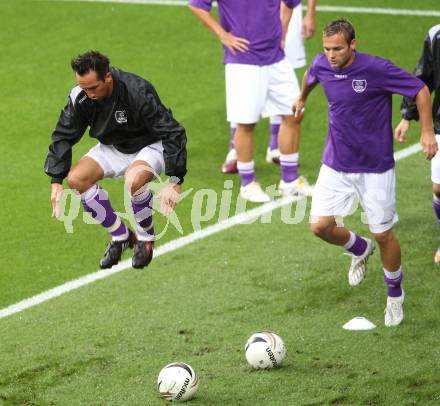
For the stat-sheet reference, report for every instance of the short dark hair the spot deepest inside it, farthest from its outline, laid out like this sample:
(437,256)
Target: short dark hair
(91,60)
(340,26)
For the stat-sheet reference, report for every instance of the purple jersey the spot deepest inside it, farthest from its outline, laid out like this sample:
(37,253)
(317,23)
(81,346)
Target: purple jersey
(257,21)
(360,135)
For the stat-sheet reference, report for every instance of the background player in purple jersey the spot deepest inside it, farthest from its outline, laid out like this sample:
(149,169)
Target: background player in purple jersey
(295,30)
(138,138)
(358,157)
(428,70)
(259,81)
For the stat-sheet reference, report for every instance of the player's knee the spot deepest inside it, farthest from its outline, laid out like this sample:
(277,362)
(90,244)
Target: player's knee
(384,238)
(138,176)
(436,190)
(291,120)
(319,229)
(135,182)
(78,182)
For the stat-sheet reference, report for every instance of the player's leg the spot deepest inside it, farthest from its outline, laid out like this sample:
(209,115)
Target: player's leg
(436,207)
(145,167)
(360,248)
(283,90)
(250,189)
(393,275)
(435,177)
(101,161)
(273,152)
(230,164)
(378,199)
(245,91)
(334,196)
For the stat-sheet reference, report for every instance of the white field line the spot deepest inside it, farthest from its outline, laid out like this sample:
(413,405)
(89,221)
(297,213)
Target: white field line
(171,246)
(338,9)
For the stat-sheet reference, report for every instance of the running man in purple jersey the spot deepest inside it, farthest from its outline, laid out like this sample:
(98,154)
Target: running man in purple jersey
(428,70)
(259,81)
(358,156)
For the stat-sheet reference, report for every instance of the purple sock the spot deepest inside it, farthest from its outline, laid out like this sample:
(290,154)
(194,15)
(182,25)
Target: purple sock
(393,281)
(356,244)
(232,140)
(289,167)
(95,201)
(273,143)
(142,204)
(436,207)
(246,171)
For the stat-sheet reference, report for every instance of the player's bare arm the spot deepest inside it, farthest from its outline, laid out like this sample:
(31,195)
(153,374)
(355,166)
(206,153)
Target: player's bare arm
(57,190)
(427,137)
(401,130)
(299,104)
(286,15)
(169,197)
(231,42)
(309,21)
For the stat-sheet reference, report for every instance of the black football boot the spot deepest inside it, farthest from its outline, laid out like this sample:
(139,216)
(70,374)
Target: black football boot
(115,249)
(143,254)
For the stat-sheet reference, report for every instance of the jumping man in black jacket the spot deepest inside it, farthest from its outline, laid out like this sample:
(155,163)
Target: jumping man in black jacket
(138,139)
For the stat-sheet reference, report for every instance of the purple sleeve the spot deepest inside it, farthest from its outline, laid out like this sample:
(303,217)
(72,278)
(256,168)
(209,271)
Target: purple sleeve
(203,4)
(290,3)
(312,77)
(397,80)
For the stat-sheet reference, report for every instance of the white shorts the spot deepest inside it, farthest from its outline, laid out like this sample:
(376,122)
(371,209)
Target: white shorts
(337,193)
(115,163)
(294,48)
(253,90)
(435,164)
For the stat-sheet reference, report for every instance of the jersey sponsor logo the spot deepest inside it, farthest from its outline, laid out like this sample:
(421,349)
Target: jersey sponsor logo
(359,85)
(341,76)
(121,116)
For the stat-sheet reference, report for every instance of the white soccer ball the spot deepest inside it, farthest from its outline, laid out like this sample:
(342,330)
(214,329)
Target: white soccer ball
(265,350)
(178,382)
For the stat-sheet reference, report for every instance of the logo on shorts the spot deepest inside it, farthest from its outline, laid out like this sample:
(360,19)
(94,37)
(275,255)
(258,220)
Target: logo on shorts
(359,86)
(120,116)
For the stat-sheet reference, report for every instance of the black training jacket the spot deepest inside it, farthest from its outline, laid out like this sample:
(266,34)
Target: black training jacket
(130,119)
(428,70)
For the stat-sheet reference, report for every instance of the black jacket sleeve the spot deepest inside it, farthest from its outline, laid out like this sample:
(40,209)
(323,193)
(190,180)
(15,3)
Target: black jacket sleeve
(68,131)
(424,71)
(167,129)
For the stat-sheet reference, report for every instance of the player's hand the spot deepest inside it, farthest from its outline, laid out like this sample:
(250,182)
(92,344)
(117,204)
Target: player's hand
(401,130)
(429,144)
(298,108)
(308,27)
(169,196)
(233,43)
(57,190)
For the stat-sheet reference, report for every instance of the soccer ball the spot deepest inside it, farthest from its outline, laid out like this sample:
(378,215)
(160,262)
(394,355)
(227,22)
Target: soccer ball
(177,381)
(265,350)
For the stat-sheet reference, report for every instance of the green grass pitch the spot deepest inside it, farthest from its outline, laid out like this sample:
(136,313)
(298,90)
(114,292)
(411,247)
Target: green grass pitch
(105,343)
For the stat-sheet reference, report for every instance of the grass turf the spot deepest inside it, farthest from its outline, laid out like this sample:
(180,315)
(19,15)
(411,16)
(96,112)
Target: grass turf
(105,343)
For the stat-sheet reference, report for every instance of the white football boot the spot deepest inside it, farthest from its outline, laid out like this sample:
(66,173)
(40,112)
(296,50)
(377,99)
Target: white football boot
(230,164)
(273,156)
(358,268)
(253,193)
(437,257)
(394,310)
(299,186)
